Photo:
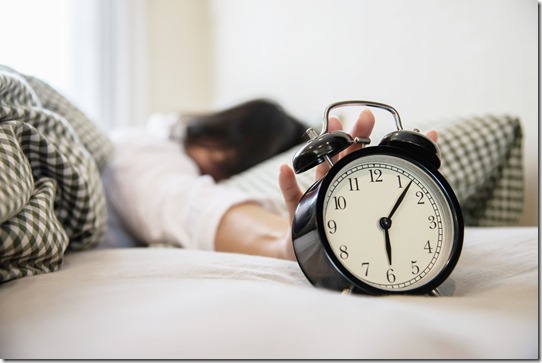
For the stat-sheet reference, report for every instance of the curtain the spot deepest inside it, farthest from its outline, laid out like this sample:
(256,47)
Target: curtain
(110,54)
(93,51)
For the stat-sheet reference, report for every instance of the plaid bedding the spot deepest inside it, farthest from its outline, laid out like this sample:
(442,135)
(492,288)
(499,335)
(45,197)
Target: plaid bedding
(51,196)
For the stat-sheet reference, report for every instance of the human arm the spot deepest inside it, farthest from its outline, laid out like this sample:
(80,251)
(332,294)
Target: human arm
(248,228)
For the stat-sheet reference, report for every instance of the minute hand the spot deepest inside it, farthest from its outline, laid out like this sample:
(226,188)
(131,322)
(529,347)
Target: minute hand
(401,197)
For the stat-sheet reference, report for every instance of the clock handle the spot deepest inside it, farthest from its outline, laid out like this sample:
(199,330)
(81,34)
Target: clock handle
(322,147)
(339,104)
(423,148)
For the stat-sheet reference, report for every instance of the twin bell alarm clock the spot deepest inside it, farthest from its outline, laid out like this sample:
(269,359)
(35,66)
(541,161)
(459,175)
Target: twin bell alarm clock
(383,220)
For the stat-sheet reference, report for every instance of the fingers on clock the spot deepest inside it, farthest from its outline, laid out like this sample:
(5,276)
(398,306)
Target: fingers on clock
(290,189)
(432,134)
(334,124)
(363,127)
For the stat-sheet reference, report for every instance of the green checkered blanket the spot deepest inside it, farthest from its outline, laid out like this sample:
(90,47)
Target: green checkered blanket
(51,196)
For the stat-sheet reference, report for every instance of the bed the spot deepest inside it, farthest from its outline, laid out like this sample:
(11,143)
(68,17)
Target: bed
(156,303)
(100,295)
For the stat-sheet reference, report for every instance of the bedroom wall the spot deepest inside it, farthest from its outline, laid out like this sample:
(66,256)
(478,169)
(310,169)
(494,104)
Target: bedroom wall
(180,55)
(429,59)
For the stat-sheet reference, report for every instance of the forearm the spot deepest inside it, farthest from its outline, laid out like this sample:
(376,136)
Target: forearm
(248,228)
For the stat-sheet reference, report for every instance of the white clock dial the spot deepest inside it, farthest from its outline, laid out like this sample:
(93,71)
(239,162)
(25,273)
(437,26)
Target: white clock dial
(388,222)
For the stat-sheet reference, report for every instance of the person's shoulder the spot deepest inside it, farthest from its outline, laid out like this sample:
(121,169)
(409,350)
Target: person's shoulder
(166,125)
(159,127)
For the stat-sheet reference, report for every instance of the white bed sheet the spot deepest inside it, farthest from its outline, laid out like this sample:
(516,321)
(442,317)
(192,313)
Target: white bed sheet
(169,303)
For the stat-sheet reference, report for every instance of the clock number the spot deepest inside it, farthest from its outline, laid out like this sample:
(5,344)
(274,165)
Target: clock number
(420,195)
(376,175)
(415,268)
(332,226)
(366,266)
(432,222)
(340,202)
(354,185)
(344,252)
(390,276)
(428,247)
(399,181)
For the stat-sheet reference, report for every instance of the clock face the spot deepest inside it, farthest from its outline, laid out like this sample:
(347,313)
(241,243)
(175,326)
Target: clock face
(388,224)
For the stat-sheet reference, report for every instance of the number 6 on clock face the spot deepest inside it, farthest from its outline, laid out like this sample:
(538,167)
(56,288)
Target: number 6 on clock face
(388,223)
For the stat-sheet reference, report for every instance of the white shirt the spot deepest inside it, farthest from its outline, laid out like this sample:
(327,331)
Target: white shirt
(159,194)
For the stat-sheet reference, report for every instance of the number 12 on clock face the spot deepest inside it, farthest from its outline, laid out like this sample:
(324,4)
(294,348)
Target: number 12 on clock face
(387,222)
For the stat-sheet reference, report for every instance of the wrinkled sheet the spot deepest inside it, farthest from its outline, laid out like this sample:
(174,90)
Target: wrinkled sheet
(168,303)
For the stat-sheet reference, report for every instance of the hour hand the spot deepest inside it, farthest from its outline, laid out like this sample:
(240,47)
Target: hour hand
(385,223)
(388,244)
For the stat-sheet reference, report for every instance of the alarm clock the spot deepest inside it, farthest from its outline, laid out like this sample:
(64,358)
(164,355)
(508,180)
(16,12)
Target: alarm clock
(383,220)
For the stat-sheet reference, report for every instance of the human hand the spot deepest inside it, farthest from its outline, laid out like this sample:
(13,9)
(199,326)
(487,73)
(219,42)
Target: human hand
(362,128)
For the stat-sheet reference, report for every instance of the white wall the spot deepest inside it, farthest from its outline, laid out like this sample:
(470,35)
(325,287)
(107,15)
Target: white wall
(430,59)
(180,55)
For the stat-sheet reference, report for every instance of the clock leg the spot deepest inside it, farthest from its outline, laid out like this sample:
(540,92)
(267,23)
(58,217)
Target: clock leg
(434,292)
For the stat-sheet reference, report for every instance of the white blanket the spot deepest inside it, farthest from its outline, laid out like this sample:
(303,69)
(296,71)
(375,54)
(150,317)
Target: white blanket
(173,303)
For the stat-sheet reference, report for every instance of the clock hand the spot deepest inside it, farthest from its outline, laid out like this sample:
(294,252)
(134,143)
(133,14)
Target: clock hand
(388,244)
(385,222)
(401,197)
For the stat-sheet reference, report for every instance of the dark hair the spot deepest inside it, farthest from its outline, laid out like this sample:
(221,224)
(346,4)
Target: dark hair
(256,130)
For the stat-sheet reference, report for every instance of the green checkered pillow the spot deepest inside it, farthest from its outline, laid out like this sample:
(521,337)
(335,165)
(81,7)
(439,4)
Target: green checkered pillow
(483,161)
(51,196)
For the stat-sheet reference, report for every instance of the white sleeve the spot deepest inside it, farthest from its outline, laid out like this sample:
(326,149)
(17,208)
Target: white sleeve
(159,194)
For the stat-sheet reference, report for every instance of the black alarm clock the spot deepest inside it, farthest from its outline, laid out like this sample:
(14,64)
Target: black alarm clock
(383,220)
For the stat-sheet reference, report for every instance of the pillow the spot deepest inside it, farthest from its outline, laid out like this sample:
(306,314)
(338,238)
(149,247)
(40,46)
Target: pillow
(481,159)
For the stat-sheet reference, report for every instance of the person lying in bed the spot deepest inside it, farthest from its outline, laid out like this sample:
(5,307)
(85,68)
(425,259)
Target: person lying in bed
(166,184)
